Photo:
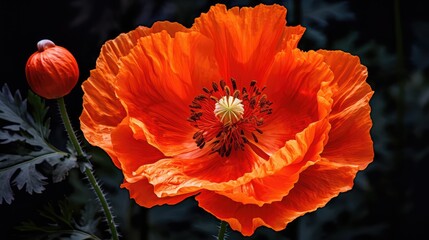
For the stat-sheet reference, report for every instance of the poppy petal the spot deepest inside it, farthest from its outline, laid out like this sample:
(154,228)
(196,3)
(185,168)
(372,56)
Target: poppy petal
(298,86)
(99,120)
(291,36)
(349,140)
(246,39)
(171,66)
(350,76)
(173,176)
(130,152)
(245,176)
(316,186)
(142,192)
(283,169)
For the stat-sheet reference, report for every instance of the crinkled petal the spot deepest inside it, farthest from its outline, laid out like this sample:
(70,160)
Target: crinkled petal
(142,192)
(246,39)
(158,81)
(131,153)
(298,85)
(243,176)
(316,186)
(349,140)
(102,110)
(291,36)
(350,76)
(283,168)
(176,176)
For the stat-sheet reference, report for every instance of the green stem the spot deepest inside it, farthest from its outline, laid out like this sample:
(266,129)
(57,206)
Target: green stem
(69,127)
(103,202)
(88,172)
(222,230)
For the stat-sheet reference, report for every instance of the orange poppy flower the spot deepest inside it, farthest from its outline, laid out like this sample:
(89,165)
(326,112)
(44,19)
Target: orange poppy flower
(231,112)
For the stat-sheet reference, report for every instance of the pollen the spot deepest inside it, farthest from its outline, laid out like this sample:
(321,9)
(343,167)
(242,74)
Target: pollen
(229,110)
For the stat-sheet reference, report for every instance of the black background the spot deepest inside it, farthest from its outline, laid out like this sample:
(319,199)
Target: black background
(390,36)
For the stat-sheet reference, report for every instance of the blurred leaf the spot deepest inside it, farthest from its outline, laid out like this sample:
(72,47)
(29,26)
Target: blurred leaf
(317,15)
(320,12)
(416,104)
(344,218)
(60,222)
(420,46)
(24,145)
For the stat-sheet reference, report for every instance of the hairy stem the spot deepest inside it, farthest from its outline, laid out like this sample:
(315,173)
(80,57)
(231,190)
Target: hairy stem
(102,198)
(69,127)
(222,230)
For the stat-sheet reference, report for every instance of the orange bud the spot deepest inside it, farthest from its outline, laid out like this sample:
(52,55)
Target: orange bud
(52,71)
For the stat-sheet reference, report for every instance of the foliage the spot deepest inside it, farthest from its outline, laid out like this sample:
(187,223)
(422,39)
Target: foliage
(59,221)
(28,158)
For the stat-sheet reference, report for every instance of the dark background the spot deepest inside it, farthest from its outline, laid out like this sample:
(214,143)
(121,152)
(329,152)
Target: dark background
(389,200)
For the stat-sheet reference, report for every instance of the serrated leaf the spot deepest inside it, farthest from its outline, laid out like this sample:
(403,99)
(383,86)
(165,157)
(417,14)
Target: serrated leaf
(39,112)
(23,136)
(320,12)
(31,179)
(6,189)
(60,222)
(88,220)
(12,107)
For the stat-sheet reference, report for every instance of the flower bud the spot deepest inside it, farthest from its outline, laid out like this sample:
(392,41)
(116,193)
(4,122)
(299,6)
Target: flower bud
(52,71)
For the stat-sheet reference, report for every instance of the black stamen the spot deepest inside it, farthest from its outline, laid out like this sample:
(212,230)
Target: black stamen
(252,102)
(216,146)
(195,105)
(228,152)
(234,84)
(200,97)
(201,145)
(222,150)
(206,90)
(254,137)
(222,84)
(252,83)
(214,98)
(236,94)
(263,99)
(196,135)
(215,87)
(266,110)
(227,91)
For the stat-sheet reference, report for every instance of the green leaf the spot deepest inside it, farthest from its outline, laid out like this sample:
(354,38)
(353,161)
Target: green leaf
(39,112)
(62,222)
(24,146)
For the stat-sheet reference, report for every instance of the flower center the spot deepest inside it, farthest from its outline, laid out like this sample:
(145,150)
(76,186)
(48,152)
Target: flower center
(229,109)
(226,119)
